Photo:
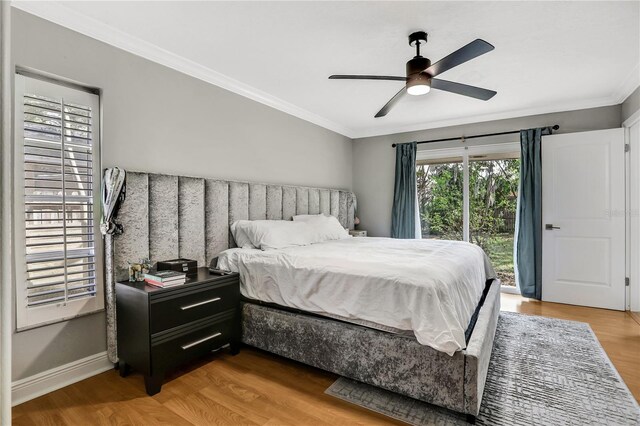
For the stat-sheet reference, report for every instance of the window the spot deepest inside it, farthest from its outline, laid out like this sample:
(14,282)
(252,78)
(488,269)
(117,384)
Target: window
(440,196)
(471,194)
(57,188)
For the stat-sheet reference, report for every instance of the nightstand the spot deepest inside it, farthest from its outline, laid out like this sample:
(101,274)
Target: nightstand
(358,233)
(161,328)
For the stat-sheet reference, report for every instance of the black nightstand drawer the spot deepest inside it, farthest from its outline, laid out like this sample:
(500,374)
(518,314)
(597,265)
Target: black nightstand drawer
(176,346)
(161,328)
(176,309)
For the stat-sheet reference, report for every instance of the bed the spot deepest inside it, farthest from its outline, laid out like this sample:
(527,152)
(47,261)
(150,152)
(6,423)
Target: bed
(427,289)
(398,314)
(164,217)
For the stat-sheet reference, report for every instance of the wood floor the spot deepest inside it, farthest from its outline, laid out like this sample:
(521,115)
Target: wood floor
(258,388)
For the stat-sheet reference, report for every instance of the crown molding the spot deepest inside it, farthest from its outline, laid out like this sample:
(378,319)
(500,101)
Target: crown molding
(69,18)
(628,85)
(633,119)
(62,15)
(503,115)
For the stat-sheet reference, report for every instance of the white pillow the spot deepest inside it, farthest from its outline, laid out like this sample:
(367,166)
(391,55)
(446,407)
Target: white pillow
(309,217)
(276,234)
(326,228)
(240,237)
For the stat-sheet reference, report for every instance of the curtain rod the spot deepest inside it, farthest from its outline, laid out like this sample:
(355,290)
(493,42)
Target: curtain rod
(463,138)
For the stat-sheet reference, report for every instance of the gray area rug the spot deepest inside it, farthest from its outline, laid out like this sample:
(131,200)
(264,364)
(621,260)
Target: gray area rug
(543,371)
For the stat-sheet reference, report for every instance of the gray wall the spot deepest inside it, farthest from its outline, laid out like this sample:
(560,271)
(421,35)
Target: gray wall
(158,120)
(631,104)
(374,159)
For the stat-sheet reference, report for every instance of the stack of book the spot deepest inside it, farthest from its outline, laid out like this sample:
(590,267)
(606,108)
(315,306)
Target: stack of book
(165,278)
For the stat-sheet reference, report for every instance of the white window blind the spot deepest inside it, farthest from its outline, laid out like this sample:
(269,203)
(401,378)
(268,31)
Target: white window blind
(60,266)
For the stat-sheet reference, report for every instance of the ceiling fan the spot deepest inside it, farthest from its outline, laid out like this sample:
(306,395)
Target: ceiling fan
(420,73)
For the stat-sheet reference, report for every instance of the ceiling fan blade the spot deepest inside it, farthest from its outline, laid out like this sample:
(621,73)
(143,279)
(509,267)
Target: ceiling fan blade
(472,50)
(462,89)
(366,77)
(385,109)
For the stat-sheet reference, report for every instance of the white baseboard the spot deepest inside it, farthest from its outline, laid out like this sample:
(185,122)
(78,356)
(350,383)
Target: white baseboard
(39,384)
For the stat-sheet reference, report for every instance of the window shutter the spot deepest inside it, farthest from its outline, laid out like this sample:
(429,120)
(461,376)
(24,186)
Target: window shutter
(58,188)
(59,180)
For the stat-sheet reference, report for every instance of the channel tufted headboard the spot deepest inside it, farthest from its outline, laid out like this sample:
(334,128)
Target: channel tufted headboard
(166,217)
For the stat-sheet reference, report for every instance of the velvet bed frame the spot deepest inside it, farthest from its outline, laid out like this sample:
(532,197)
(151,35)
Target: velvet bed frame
(165,217)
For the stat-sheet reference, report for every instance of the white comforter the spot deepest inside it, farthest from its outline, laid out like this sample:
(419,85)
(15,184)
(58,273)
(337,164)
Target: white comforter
(428,286)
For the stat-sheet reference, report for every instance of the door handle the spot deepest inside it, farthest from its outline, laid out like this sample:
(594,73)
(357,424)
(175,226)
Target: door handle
(549,227)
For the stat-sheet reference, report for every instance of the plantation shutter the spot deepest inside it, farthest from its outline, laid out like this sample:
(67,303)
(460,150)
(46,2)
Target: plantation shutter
(59,189)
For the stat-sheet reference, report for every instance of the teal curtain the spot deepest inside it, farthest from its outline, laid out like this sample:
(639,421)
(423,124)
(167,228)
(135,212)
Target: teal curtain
(528,247)
(403,214)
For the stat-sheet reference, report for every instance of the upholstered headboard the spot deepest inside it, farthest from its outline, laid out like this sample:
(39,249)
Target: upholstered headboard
(166,217)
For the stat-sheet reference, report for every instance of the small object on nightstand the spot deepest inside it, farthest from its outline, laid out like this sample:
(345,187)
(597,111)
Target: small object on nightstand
(213,268)
(358,233)
(188,266)
(165,278)
(138,270)
(161,328)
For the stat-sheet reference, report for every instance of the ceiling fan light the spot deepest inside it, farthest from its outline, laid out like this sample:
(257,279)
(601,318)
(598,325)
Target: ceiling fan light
(419,84)
(418,89)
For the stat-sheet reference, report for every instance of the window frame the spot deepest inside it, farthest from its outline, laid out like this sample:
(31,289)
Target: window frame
(465,152)
(37,316)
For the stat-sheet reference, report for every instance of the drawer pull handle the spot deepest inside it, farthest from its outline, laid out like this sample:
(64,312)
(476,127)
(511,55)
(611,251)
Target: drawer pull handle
(220,348)
(204,302)
(197,342)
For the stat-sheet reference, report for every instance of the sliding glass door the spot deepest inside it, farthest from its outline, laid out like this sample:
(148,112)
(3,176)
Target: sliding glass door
(440,198)
(471,194)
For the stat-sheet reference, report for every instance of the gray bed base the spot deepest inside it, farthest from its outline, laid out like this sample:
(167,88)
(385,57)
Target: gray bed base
(390,361)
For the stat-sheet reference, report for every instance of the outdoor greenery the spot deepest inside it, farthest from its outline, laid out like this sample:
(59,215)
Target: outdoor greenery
(493,193)
(500,250)
(440,200)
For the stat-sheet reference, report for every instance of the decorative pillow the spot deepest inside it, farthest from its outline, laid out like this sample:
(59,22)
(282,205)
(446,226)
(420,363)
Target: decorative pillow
(240,236)
(326,228)
(276,234)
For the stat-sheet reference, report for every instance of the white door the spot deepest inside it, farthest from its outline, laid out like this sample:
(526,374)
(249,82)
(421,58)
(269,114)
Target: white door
(583,218)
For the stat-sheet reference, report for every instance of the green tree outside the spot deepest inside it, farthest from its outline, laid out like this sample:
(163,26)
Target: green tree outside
(493,194)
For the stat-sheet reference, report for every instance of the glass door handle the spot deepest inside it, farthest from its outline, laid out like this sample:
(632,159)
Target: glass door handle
(549,227)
